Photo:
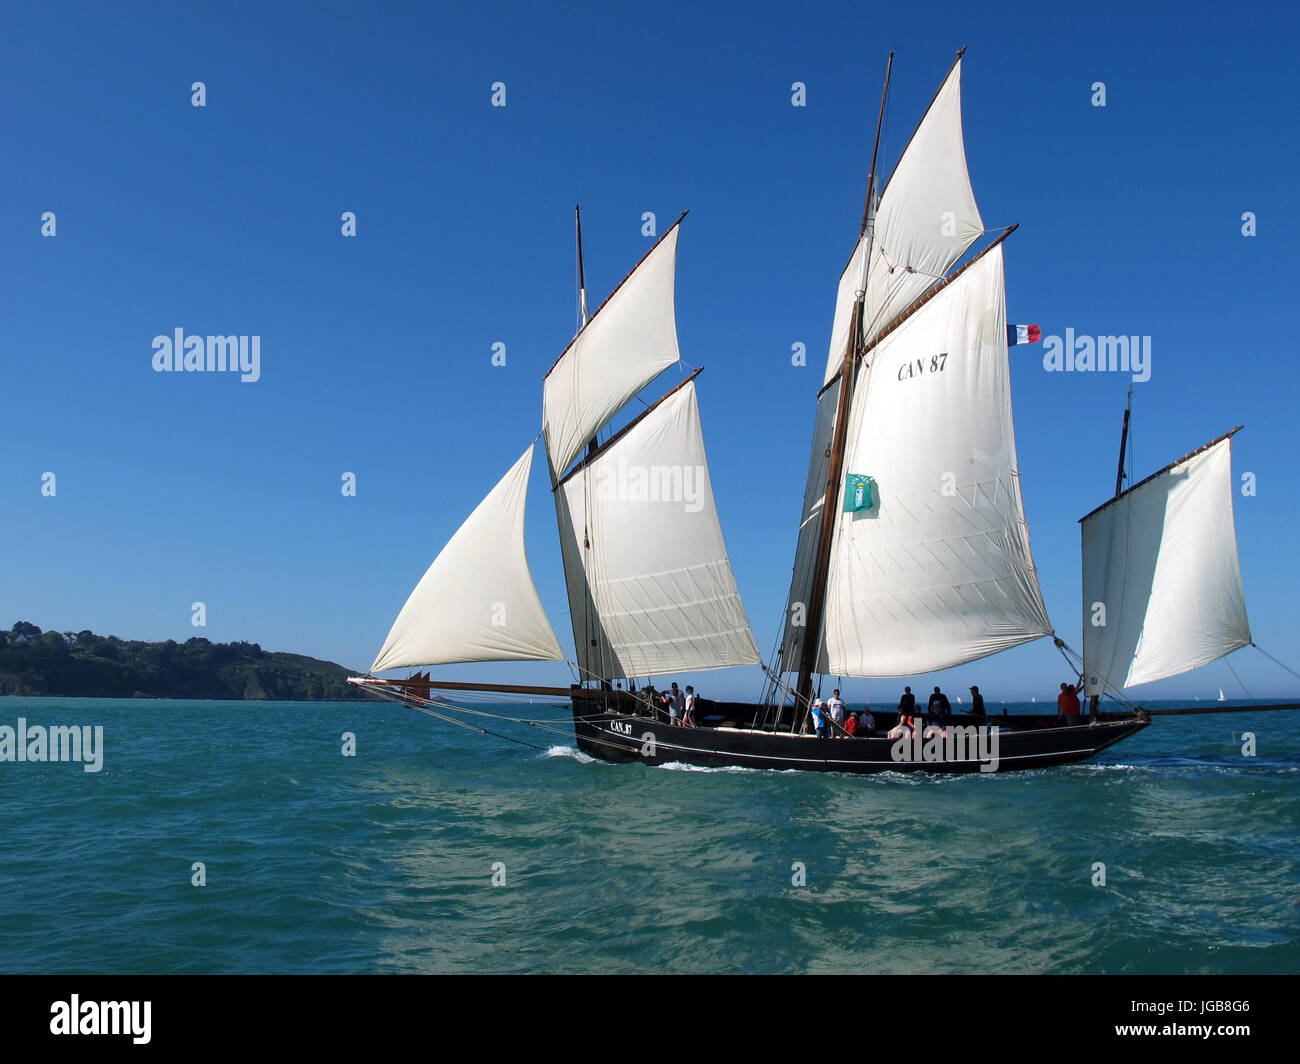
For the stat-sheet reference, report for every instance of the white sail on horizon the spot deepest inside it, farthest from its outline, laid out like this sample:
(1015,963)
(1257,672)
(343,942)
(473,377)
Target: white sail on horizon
(629,341)
(926,220)
(940,571)
(650,586)
(477,601)
(1161,562)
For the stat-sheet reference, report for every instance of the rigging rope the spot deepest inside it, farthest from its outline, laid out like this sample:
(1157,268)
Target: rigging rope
(412,701)
(470,727)
(1274,660)
(1238,679)
(1075,660)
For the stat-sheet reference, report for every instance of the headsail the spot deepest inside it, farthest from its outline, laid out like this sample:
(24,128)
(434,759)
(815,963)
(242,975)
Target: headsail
(938,572)
(1161,561)
(629,341)
(477,601)
(650,585)
(926,220)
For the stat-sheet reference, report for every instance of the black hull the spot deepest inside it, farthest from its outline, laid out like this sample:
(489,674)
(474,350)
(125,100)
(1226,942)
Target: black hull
(1022,743)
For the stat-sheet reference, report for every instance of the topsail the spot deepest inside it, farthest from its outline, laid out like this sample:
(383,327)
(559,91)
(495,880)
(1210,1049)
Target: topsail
(926,221)
(629,341)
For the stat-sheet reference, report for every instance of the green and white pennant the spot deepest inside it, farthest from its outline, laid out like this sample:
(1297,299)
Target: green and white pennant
(859,493)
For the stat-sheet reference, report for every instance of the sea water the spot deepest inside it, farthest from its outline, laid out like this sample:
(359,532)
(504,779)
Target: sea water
(255,837)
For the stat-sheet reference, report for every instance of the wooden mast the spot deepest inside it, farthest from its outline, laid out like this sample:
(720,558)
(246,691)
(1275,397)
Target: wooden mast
(1123,443)
(817,598)
(582,281)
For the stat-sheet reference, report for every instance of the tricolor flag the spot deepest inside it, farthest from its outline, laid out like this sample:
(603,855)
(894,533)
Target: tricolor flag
(1023,334)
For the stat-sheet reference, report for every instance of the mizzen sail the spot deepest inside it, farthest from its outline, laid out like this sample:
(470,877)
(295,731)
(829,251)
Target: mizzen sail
(1162,587)
(477,601)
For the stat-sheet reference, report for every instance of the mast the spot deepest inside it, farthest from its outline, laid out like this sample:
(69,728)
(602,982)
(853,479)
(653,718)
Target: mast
(1123,443)
(582,300)
(871,178)
(817,600)
(582,282)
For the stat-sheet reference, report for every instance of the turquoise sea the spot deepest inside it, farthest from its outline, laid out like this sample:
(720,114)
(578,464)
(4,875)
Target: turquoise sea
(385,861)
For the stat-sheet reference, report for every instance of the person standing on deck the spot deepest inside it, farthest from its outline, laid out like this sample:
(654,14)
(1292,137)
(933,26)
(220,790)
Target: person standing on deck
(1067,702)
(940,708)
(837,713)
(907,704)
(673,702)
(977,702)
(819,721)
(688,717)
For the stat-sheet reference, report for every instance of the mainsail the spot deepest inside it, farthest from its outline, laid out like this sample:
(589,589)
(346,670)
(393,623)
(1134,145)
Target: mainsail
(650,587)
(477,601)
(1162,587)
(629,341)
(938,572)
(927,219)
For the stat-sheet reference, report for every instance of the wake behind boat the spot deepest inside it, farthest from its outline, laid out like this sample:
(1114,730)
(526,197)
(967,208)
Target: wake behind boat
(912,553)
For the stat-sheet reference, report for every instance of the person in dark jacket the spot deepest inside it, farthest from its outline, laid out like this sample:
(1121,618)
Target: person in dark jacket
(940,708)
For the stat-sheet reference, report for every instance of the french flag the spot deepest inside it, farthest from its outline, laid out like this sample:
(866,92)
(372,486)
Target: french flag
(1023,334)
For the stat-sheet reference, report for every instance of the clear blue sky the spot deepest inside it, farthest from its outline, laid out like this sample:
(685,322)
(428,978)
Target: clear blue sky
(375,358)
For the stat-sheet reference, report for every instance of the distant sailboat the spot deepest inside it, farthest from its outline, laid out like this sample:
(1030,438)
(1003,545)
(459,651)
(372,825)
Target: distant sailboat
(1221,698)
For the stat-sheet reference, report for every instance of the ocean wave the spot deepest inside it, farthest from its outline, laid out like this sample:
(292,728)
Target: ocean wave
(569,751)
(682,766)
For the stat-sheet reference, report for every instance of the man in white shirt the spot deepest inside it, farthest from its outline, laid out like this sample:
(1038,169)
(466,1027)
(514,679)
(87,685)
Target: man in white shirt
(688,717)
(837,713)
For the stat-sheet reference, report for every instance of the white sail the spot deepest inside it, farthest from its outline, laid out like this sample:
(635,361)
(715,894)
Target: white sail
(926,220)
(1161,562)
(477,601)
(629,341)
(650,585)
(851,282)
(939,572)
(810,528)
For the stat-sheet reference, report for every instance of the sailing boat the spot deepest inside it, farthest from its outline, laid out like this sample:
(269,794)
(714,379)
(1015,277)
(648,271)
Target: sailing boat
(912,552)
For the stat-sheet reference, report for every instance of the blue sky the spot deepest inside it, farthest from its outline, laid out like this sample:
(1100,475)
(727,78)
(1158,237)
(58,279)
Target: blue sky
(375,350)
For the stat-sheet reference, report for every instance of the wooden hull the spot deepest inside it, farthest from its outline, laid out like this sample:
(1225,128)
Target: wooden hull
(1035,742)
